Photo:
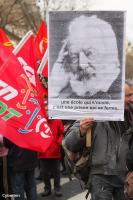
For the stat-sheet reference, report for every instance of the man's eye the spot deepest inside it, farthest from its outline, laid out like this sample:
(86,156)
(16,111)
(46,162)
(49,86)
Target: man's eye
(88,53)
(129,95)
(74,58)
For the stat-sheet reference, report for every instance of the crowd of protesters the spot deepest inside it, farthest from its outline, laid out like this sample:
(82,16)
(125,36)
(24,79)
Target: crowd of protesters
(19,165)
(112,141)
(109,165)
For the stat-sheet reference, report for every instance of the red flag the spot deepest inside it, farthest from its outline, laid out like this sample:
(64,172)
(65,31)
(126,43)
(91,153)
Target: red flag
(41,40)
(4,53)
(6,47)
(5,40)
(26,53)
(21,119)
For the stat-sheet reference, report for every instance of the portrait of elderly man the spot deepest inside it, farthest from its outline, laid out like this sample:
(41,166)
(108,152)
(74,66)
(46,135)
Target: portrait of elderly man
(88,62)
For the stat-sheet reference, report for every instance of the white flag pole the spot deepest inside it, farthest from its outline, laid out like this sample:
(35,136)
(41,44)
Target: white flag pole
(22,42)
(43,62)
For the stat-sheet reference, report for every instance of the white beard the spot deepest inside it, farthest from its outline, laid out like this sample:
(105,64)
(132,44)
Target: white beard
(87,83)
(94,84)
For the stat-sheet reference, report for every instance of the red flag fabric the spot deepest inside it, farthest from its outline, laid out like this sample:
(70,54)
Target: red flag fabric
(21,119)
(41,40)
(4,53)
(26,53)
(5,40)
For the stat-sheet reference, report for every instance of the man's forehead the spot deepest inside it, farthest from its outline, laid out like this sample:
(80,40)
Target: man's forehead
(87,35)
(77,44)
(128,89)
(95,40)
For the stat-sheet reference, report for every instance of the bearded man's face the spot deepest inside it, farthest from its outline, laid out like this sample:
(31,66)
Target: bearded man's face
(94,59)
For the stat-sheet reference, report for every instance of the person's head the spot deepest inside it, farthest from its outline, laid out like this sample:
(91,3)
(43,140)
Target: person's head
(128,93)
(92,50)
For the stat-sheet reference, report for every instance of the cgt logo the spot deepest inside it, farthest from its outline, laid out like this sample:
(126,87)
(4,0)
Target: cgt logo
(28,70)
(8,112)
(7,92)
(42,43)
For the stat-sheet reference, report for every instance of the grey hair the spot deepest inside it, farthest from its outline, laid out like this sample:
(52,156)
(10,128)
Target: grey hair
(129,82)
(85,24)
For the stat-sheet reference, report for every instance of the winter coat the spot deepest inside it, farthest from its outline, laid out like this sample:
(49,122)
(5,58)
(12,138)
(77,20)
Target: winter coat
(109,146)
(130,155)
(20,159)
(54,151)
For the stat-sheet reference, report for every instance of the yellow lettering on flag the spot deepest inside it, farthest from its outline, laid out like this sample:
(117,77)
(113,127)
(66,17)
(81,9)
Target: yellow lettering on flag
(7,44)
(45,40)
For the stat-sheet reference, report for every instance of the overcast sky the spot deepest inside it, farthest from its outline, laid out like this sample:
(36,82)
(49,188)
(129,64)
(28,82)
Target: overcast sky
(125,5)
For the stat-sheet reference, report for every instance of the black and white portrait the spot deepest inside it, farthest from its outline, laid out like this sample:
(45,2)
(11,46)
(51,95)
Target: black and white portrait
(86,55)
(88,60)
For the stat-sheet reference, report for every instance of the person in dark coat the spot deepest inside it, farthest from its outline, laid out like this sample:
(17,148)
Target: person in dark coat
(3,170)
(50,159)
(130,152)
(21,163)
(109,150)
(130,157)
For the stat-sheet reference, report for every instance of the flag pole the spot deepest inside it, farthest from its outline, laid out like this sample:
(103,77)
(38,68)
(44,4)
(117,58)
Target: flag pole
(43,62)
(88,137)
(22,42)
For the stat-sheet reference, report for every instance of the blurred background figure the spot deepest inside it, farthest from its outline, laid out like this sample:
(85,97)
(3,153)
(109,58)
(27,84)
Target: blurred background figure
(67,125)
(21,164)
(50,160)
(3,169)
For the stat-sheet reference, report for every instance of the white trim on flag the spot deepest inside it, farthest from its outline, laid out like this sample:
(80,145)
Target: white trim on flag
(22,42)
(43,62)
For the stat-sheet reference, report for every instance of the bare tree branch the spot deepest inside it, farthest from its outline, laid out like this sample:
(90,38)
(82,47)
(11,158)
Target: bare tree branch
(12,35)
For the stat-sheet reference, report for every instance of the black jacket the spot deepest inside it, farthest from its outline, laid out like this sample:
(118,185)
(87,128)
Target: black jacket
(20,159)
(130,155)
(109,146)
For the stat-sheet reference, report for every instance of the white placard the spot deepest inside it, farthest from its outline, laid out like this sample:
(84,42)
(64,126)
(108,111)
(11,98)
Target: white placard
(86,64)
